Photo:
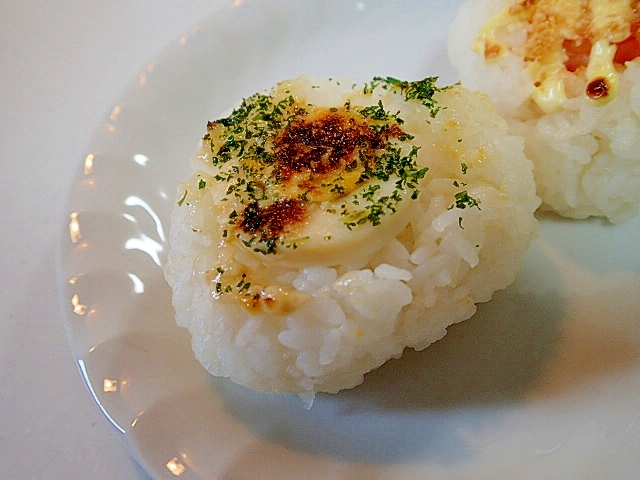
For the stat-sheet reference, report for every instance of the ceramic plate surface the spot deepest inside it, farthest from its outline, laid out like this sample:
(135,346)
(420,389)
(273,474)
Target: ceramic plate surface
(544,382)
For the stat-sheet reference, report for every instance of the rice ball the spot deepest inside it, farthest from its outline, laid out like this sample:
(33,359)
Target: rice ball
(328,226)
(567,76)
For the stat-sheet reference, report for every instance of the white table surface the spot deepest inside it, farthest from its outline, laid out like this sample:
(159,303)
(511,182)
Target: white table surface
(62,65)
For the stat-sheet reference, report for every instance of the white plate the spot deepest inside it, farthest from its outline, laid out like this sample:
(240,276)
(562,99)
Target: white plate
(544,382)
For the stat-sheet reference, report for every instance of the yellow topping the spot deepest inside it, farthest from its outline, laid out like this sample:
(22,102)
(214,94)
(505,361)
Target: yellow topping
(602,76)
(487,42)
(550,95)
(547,25)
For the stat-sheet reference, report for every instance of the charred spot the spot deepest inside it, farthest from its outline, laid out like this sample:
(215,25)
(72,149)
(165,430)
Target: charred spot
(598,88)
(327,144)
(252,301)
(271,221)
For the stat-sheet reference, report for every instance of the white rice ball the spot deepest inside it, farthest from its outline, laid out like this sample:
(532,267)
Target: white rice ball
(586,151)
(317,304)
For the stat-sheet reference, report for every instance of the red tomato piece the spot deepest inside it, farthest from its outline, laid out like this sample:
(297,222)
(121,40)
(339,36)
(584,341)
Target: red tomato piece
(578,54)
(628,49)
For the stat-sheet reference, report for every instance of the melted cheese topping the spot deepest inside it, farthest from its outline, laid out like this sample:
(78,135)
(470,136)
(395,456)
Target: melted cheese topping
(312,174)
(548,24)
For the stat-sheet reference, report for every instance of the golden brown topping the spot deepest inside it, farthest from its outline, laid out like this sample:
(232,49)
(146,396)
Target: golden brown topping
(492,50)
(273,299)
(552,24)
(322,156)
(549,23)
(328,144)
(274,219)
(596,37)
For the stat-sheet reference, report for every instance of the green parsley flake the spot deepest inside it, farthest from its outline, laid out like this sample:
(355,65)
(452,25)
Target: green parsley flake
(464,200)
(421,90)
